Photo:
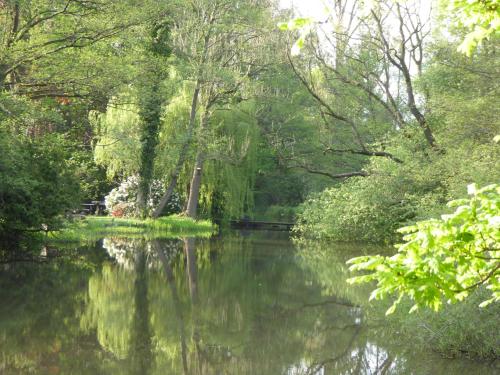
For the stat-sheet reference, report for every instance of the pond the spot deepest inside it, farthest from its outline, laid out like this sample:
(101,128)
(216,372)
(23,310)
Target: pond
(241,303)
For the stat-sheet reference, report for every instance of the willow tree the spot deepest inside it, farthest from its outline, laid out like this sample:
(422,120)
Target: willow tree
(218,41)
(231,162)
(191,37)
(233,60)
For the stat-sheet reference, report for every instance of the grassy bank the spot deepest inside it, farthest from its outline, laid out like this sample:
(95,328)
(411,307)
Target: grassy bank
(94,227)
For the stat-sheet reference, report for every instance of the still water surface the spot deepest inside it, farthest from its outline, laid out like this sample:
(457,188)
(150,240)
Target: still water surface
(243,303)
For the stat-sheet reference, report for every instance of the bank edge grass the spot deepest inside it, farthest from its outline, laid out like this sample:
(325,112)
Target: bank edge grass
(95,227)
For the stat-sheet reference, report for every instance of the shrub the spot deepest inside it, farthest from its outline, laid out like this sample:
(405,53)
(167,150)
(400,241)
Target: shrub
(36,183)
(122,201)
(361,209)
(372,208)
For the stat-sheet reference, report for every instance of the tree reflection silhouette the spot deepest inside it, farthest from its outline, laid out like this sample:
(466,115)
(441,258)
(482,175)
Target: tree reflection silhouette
(229,305)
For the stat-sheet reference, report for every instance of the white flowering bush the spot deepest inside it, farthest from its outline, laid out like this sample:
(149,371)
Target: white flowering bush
(122,201)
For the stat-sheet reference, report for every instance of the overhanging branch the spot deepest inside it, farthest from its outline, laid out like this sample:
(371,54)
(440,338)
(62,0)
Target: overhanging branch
(331,175)
(365,152)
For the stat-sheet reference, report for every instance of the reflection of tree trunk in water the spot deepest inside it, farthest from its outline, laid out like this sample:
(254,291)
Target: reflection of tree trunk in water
(386,365)
(359,363)
(192,273)
(140,338)
(177,303)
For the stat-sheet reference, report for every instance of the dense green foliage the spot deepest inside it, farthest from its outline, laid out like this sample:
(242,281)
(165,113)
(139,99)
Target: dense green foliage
(367,120)
(480,17)
(36,183)
(463,113)
(442,259)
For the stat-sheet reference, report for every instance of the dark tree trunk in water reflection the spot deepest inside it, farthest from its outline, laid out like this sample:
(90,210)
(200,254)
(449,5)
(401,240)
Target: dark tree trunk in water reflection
(140,340)
(177,303)
(192,274)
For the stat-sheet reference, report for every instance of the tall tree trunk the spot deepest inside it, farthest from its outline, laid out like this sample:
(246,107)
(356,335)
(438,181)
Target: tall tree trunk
(174,176)
(194,190)
(15,24)
(150,106)
(417,114)
(150,114)
(398,59)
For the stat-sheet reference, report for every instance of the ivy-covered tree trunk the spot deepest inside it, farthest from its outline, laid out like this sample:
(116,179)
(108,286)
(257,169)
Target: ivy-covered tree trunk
(150,101)
(150,114)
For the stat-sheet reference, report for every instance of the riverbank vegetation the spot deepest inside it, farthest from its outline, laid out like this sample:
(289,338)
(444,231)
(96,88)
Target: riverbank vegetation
(366,129)
(95,227)
(354,123)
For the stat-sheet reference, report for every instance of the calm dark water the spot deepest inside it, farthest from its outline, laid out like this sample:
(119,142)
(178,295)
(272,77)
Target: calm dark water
(238,304)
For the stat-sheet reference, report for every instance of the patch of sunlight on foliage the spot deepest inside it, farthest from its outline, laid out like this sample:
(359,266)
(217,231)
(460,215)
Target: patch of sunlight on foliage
(94,227)
(442,259)
(480,17)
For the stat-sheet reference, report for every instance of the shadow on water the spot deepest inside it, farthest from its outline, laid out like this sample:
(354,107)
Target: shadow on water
(235,304)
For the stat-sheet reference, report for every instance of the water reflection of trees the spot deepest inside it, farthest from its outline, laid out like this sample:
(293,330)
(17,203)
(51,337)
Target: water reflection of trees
(223,306)
(40,313)
(365,351)
(240,306)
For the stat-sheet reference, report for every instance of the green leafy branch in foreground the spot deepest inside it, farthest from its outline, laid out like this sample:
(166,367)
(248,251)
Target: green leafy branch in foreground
(480,17)
(442,259)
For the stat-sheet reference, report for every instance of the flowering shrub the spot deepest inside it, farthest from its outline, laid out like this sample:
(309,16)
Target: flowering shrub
(122,201)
